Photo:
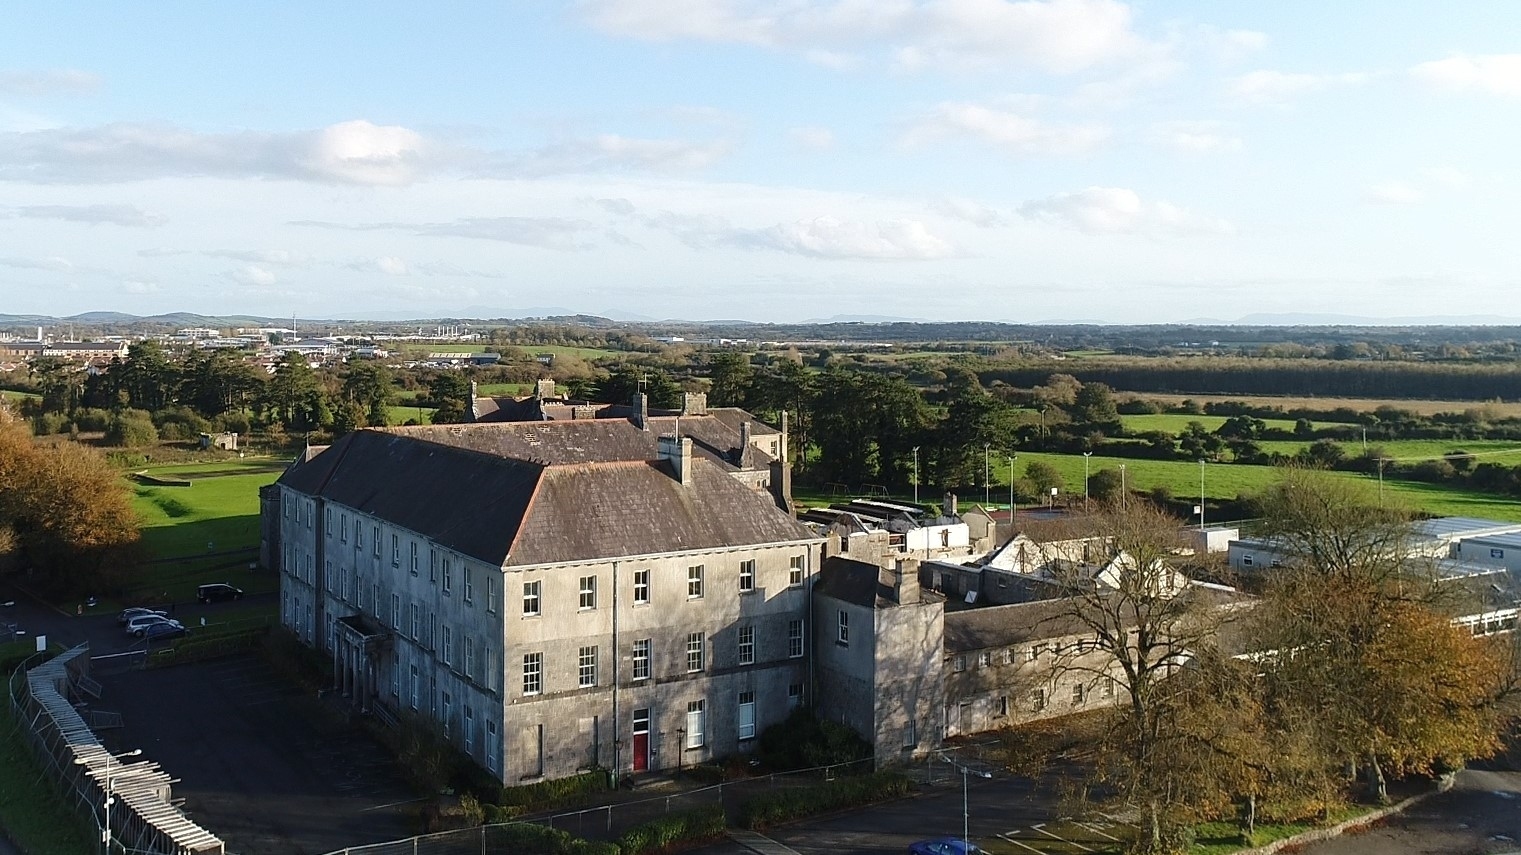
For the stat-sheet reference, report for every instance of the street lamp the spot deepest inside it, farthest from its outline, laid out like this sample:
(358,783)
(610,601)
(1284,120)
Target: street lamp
(1201,494)
(987,478)
(1123,488)
(105,826)
(1086,455)
(966,821)
(916,474)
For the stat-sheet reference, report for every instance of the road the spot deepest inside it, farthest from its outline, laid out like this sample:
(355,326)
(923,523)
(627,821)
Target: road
(1480,815)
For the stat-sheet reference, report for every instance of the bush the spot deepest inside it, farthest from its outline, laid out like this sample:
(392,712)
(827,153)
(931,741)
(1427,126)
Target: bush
(803,741)
(548,794)
(778,806)
(180,423)
(131,429)
(542,840)
(92,420)
(692,826)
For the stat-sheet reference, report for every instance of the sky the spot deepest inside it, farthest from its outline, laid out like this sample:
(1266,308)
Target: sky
(1029,161)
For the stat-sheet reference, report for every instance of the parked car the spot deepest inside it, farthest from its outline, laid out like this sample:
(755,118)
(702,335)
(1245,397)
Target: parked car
(137,611)
(167,629)
(945,846)
(138,625)
(216,592)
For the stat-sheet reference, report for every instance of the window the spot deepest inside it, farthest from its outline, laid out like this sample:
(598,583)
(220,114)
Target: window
(843,634)
(288,503)
(448,645)
(1008,656)
(1001,706)
(447,713)
(642,659)
(358,535)
(1037,651)
(694,651)
(794,639)
(531,598)
(1079,694)
(695,722)
(586,673)
(533,673)
(327,523)
(489,676)
(794,695)
(413,554)
(746,715)
(694,581)
(448,576)
(984,659)
(588,592)
(375,539)
(795,571)
(469,731)
(1038,700)
(416,622)
(490,593)
(1496,553)
(1246,561)
(343,528)
(469,581)
(396,611)
(395,551)
(1109,689)
(641,586)
(416,687)
(959,663)
(747,575)
(432,565)
(911,734)
(469,656)
(747,645)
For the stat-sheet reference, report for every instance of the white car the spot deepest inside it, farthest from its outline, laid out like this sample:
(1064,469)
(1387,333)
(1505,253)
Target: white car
(138,625)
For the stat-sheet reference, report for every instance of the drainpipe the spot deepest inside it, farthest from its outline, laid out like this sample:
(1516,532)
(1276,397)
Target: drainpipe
(617,652)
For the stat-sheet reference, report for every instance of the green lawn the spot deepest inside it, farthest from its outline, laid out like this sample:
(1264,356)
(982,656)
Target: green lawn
(1175,423)
(17,396)
(515,390)
(186,528)
(1503,451)
(398,415)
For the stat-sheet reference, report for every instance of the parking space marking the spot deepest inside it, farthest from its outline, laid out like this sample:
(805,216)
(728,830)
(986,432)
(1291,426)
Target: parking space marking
(1095,829)
(1021,845)
(1057,837)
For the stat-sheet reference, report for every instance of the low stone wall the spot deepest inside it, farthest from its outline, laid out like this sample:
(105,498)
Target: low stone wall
(1356,822)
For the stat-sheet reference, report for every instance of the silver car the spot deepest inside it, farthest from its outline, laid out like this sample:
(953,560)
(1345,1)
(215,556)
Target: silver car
(138,625)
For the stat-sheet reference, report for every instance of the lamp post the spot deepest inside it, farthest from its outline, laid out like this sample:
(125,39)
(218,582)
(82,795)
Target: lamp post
(1086,455)
(1123,488)
(1011,494)
(966,815)
(916,474)
(987,478)
(1201,494)
(105,826)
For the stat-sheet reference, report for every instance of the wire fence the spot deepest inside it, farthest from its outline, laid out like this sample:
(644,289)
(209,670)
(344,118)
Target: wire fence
(610,820)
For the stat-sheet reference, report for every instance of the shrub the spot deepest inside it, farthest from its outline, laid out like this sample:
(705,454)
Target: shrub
(131,429)
(803,741)
(692,826)
(522,837)
(785,805)
(548,794)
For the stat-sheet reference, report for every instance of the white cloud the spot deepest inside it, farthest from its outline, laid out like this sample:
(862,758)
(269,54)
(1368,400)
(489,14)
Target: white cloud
(1004,129)
(1060,36)
(1203,137)
(355,152)
(546,232)
(1493,74)
(609,152)
(1394,193)
(1447,176)
(254,275)
(116,215)
(1277,87)
(1119,210)
(65,81)
(52,262)
(391,265)
(827,237)
(969,211)
(139,287)
(811,138)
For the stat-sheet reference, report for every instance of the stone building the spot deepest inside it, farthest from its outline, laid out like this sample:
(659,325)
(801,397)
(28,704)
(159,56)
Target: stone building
(554,595)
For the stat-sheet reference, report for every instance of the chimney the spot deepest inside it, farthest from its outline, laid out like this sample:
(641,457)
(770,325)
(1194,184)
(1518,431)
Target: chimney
(950,505)
(694,404)
(784,436)
(677,450)
(544,389)
(641,410)
(744,442)
(906,582)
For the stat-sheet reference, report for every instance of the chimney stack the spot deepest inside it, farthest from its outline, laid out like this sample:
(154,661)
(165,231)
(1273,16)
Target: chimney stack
(694,404)
(641,410)
(678,451)
(784,436)
(744,442)
(906,581)
(950,505)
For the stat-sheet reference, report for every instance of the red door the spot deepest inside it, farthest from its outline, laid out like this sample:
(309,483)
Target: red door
(641,740)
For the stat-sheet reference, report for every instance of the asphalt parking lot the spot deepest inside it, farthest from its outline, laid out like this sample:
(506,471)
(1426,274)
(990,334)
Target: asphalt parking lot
(265,767)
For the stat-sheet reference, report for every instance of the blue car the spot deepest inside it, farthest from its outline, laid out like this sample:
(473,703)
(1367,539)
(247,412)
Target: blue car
(167,629)
(945,846)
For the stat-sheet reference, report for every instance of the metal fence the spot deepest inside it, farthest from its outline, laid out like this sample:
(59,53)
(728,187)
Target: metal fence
(130,802)
(610,820)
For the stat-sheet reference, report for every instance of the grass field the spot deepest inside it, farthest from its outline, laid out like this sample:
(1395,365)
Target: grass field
(17,396)
(515,390)
(398,415)
(1504,451)
(1176,423)
(185,529)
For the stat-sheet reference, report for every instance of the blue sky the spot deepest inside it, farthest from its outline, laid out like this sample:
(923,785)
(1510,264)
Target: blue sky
(775,161)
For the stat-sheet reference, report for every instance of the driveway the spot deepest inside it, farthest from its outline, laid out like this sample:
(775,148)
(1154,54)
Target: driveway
(1480,815)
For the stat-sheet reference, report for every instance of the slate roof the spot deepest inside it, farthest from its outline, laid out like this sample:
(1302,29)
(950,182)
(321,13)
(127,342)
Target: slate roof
(1004,626)
(862,584)
(511,496)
